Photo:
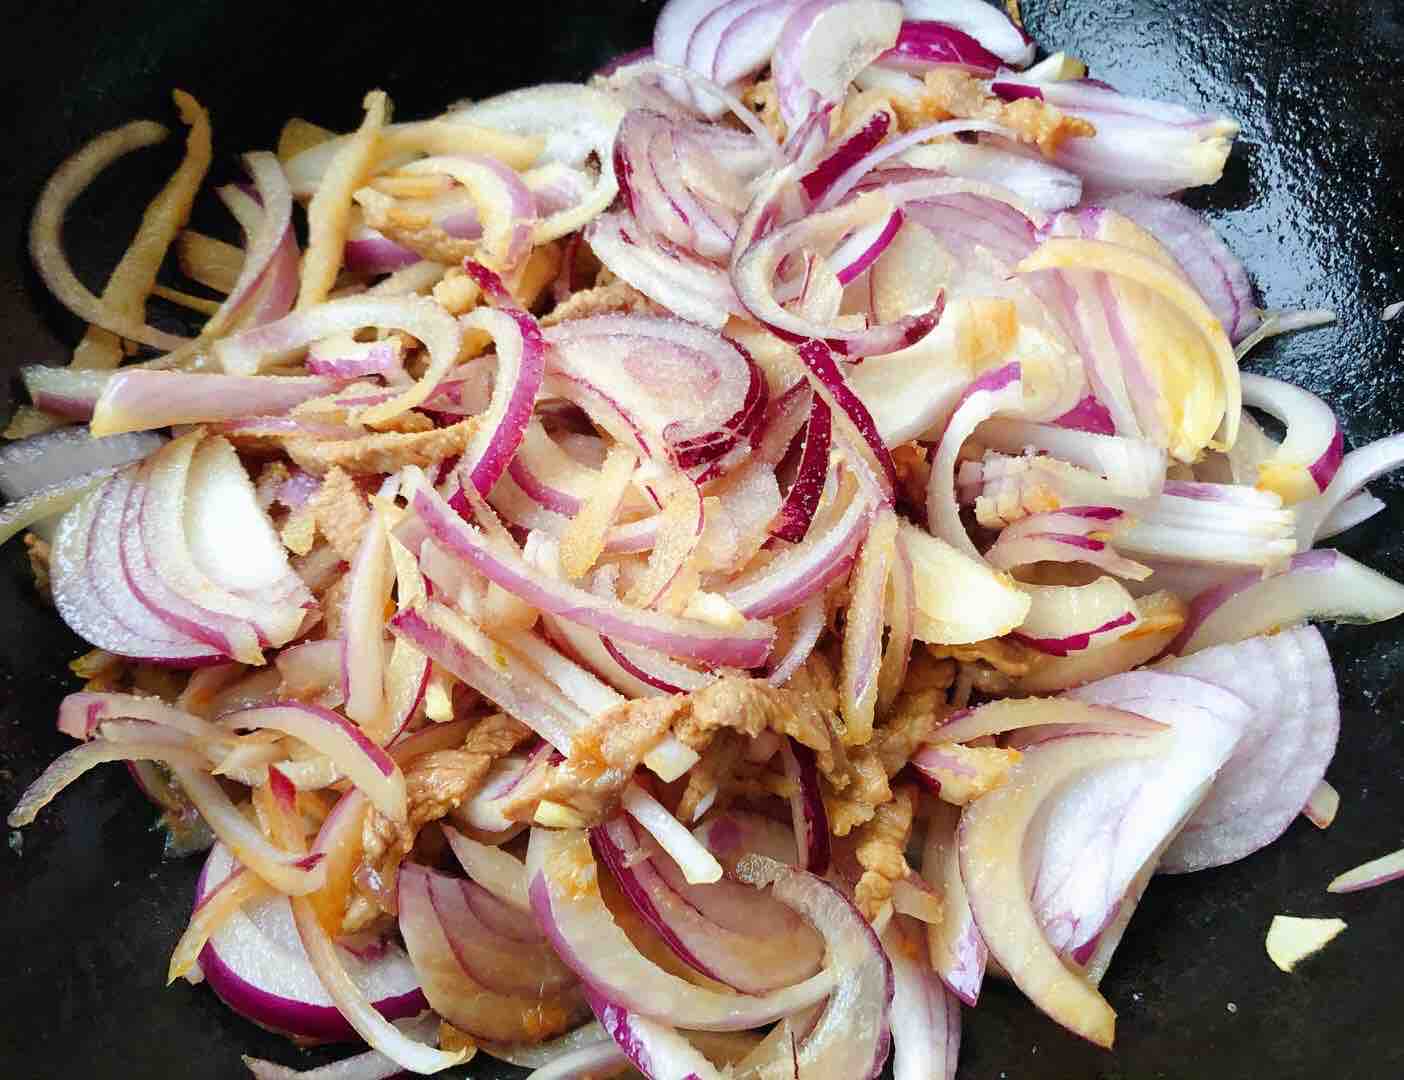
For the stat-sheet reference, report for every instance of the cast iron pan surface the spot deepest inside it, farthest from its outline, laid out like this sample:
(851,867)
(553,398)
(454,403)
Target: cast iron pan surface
(1312,202)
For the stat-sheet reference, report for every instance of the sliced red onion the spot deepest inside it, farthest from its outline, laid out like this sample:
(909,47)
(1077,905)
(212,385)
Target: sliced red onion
(746,646)
(499,872)
(1206,259)
(692,858)
(958,599)
(988,25)
(852,1035)
(809,567)
(750,962)
(501,964)
(1321,806)
(1357,469)
(363,651)
(962,214)
(657,1050)
(757,256)
(923,44)
(1129,815)
(1088,415)
(453,992)
(1287,679)
(1309,456)
(858,145)
(864,621)
(369,767)
(810,619)
(1136,467)
(1065,619)
(1219,524)
(141,400)
(575,122)
(566,899)
(1322,584)
(67,392)
(925,1017)
(256,963)
(506,207)
(689,287)
(810,818)
(822,46)
(855,422)
(1064,536)
(1146,146)
(678,392)
(956,950)
(1039,184)
(1356,509)
(993,832)
(42,461)
(40,510)
(746,44)
(524,698)
(343,357)
(94,598)
(46,227)
(1379,871)
(371,1065)
(1000,390)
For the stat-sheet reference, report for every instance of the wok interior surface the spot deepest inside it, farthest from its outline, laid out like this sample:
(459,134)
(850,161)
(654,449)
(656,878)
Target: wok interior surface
(1312,201)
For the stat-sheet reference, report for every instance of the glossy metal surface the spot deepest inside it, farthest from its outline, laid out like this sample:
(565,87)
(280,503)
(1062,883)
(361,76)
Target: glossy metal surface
(1313,204)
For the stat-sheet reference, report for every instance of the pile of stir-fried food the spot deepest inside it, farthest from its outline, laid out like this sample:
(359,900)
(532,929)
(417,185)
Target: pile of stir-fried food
(738,547)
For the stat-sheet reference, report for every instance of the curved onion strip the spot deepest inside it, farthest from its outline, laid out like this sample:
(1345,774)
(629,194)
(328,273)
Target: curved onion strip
(1379,871)
(809,620)
(46,245)
(698,865)
(248,352)
(750,960)
(81,713)
(454,993)
(48,502)
(426,630)
(864,166)
(379,1033)
(954,945)
(811,819)
(370,768)
(851,1037)
(565,895)
(823,45)
(363,651)
(657,1050)
(370,1065)
(1308,457)
(238,889)
(1321,585)
(925,1017)
(142,400)
(1357,469)
(167,747)
(757,256)
(498,871)
(802,500)
(901,620)
(863,439)
(809,567)
(993,392)
(746,646)
(1071,253)
(748,119)
(993,829)
(506,206)
(576,121)
(1064,619)
(863,626)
